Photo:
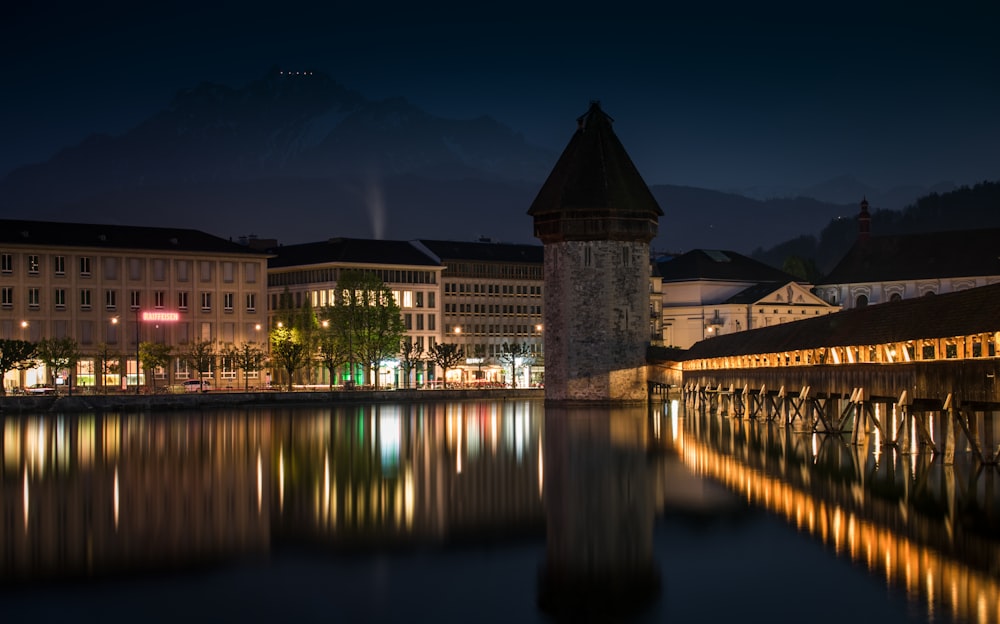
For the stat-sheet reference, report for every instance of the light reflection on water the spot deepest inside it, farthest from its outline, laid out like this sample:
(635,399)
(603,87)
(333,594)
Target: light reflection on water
(576,509)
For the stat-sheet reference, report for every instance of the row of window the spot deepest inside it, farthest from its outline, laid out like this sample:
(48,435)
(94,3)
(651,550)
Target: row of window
(89,332)
(493,350)
(136,268)
(322,298)
(408,319)
(495,270)
(159,299)
(491,289)
(498,330)
(420,344)
(332,275)
(483,308)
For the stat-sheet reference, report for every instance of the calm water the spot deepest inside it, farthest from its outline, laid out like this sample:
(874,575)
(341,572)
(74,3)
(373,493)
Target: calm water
(482,511)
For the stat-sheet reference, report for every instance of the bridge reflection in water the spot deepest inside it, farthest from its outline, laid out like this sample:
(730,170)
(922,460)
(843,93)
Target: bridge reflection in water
(930,528)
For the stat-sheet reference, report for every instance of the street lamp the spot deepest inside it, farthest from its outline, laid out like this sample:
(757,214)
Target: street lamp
(137,338)
(104,356)
(461,371)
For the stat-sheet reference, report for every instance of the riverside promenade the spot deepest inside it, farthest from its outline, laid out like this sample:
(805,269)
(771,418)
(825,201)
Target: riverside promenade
(13,405)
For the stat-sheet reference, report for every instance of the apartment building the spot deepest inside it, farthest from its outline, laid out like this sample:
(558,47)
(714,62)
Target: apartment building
(478,295)
(110,287)
(492,295)
(309,272)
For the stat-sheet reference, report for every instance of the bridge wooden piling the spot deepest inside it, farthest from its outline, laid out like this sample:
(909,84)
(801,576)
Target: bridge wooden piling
(900,418)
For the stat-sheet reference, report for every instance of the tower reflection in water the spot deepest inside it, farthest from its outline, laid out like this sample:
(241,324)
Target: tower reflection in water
(599,510)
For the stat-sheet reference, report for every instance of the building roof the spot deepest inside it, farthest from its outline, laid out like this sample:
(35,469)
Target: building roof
(106,236)
(753,294)
(717,265)
(963,313)
(350,251)
(967,253)
(483,251)
(594,174)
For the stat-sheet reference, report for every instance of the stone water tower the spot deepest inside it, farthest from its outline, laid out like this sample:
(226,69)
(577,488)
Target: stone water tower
(595,217)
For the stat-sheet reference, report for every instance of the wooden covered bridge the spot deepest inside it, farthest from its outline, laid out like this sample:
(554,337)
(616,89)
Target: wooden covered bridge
(887,368)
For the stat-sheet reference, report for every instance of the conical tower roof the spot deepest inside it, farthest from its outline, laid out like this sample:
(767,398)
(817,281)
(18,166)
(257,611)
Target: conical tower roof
(594,192)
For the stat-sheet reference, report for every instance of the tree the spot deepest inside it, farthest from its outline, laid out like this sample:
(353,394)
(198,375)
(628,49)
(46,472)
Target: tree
(200,356)
(288,351)
(480,355)
(248,357)
(510,353)
(15,355)
(107,361)
(296,332)
(306,321)
(154,355)
(58,354)
(802,268)
(446,356)
(333,351)
(369,318)
(410,354)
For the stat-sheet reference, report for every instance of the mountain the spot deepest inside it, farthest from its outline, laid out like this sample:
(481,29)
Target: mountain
(299,157)
(295,156)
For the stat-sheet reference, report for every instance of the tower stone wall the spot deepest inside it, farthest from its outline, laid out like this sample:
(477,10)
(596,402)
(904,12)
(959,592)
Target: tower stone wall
(596,320)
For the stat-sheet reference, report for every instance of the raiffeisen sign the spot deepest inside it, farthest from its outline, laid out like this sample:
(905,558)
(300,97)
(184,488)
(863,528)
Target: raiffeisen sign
(161,316)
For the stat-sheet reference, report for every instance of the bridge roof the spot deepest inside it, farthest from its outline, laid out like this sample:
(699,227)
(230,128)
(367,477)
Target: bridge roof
(963,313)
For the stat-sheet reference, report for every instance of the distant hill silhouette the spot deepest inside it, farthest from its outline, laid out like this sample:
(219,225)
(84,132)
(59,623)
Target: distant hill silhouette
(302,158)
(697,218)
(961,209)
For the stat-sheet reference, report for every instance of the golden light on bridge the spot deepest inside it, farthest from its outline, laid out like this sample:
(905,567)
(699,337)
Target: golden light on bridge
(924,573)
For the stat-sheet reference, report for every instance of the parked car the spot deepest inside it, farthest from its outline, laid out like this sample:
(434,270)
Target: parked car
(196,385)
(39,389)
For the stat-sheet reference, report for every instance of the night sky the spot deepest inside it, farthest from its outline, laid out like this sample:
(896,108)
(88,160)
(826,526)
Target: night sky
(723,96)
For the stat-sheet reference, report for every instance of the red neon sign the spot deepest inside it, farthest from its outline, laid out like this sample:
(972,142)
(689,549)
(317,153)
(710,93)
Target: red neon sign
(161,316)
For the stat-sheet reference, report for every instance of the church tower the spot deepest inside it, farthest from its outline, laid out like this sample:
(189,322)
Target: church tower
(596,217)
(864,221)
